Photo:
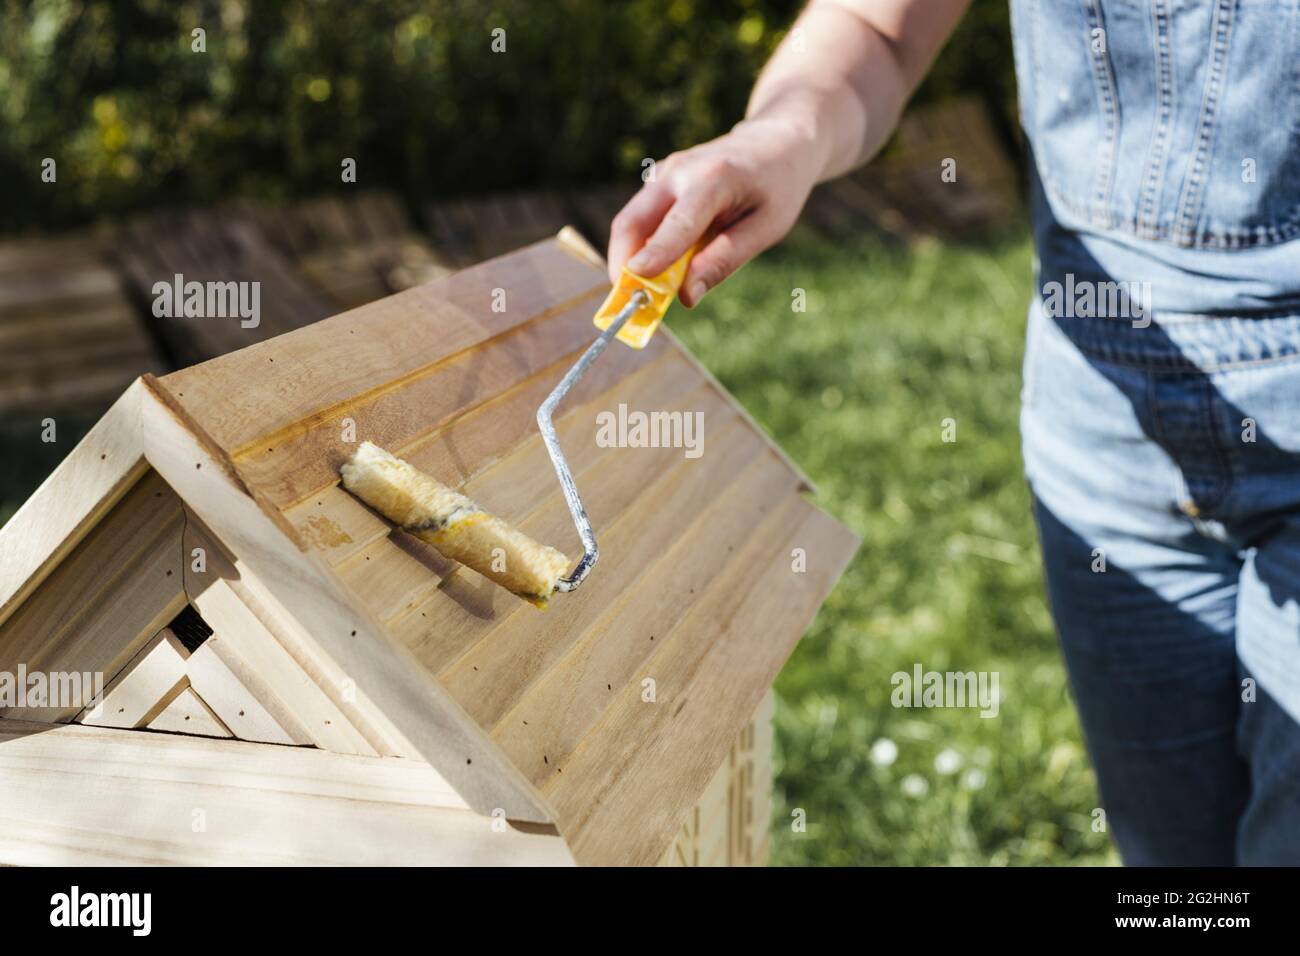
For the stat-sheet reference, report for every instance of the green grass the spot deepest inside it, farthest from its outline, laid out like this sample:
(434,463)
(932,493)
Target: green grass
(857,389)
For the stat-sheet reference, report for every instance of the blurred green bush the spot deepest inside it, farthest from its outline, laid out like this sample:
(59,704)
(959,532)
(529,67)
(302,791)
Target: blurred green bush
(412,90)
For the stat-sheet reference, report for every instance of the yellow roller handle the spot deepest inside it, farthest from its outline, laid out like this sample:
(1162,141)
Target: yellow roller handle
(660,290)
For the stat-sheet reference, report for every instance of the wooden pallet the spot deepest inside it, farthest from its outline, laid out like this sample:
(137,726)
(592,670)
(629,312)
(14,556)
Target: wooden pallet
(472,230)
(354,250)
(70,339)
(213,246)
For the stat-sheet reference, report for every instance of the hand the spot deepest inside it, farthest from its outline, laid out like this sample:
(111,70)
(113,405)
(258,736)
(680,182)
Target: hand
(744,190)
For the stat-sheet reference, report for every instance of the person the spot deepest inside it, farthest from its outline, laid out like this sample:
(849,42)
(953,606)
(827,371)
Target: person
(1160,413)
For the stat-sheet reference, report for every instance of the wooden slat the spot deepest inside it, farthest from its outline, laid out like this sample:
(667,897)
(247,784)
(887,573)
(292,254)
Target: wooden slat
(760,762)
(377,346)
(52,325)
(213,247)
(492,676)
(94,283)
(81,393)
(336,524)
(473,441)
(563,707)
(105,601)
(469,609)
(230,688)
(343,630)
(620,801)
(89,482)
(339,526)
(188,714)
(391,581)
(474,229)
(597,206)
(523,480)
(294,464)
(82,352)
(264,648)
(178,800)
(147,512)
(144,688)
(84,247)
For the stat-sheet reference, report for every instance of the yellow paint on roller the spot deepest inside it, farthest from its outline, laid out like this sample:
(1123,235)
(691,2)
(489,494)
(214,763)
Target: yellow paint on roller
(453,524)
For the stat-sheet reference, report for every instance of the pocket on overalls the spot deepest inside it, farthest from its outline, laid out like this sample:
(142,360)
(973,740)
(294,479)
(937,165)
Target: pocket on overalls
(1177,121)
(1241,186)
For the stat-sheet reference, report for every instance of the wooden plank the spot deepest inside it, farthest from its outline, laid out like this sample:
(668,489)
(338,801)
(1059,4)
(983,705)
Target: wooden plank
(759,430)
(179,800)
(298,711)
(565,704)
(213,247)
(144,688)
(79,248)
(188,714)
(382,213)
(760,756)
(574,243)
(525,479)
(93,283)
(82,352)
(393,580)
(514,487)
(221,678)
(86,392)
(346,633)
(377,346)
(101,320)
(54,520)
(291,665)
(524,492)
(507,424)
(336,524)
(108,552)
(105,601)
(715,816)
(296,463)
(620,802)
(495,673)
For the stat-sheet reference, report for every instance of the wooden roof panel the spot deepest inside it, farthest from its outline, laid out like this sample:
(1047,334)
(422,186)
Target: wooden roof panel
(688,544)
(624,795)
(239,400)
(542,713)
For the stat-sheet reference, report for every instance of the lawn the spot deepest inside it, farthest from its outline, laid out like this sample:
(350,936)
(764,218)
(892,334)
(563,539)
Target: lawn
(857,388)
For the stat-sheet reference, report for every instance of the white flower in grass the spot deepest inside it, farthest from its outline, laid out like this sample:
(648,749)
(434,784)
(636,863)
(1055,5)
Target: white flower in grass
(884,752)
(914,785)
(974,779)
(947,762)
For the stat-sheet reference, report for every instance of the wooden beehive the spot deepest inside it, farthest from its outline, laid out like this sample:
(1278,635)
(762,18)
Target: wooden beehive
(289,679)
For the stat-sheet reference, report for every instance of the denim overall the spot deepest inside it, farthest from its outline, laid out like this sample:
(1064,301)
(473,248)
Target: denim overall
(1161,407)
